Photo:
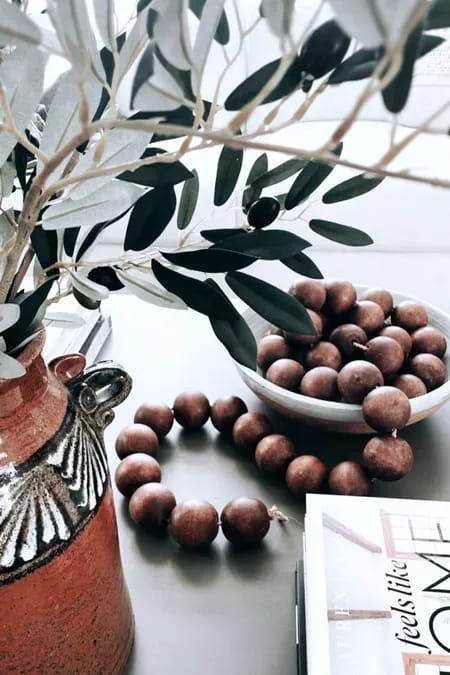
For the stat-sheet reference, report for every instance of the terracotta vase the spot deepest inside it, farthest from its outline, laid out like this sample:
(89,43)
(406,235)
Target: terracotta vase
(64,603)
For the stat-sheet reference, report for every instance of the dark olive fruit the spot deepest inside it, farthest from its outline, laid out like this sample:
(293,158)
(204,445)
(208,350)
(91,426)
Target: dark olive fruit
(263,212)
(410,315)
(273,453)
(381,297)
(106,276)
(341,296)
(311,293)
(357,379)
(386,408)
(388,457)
(271,348)
(346,337)
(431,370)
(368,315)
(400,335)
(320,383)
(286,373)
(410,385)
(245,521)
(306,473)
(349,478)
(157,417)
(191,410)
(136,438)
(194,523)
(323,354)
(151,506)
(305,339)
(323,50)
(386,354)
(225,412)
(84,300)
(134,471)
(429,340)
(249,429)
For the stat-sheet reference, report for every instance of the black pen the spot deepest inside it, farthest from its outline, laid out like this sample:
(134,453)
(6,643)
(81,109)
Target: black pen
(300,632)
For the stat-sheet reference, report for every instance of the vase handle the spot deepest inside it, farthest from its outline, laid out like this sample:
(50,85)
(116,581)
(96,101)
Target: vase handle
(97,389)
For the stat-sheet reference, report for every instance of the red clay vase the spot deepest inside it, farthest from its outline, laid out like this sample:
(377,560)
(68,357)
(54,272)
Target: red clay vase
(64,603)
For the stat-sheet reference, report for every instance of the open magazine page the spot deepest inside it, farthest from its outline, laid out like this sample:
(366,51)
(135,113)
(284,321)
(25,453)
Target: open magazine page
(385,565)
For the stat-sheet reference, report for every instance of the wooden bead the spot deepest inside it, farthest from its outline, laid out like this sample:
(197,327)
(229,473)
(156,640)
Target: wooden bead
(286,373)
(249,429)
(386,408)
(431,370)
(271,348)
(349,478)
(273,453)
(320,383)
(410,385)
(410,315)
(323,354)
(311,293)
(225,412)
(368,315)
(307,338)
(400,335)
(245,521)
(347,337)
(341,296)
(134,471)
(151,506)
(194,523)
(429,340)
(357,379)
(385,353)
(136,438)
(306,473)
(388,458)
(157,417)
(381,297)
(191,410)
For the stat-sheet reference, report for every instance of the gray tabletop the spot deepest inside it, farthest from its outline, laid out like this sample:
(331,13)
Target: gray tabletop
(220,611)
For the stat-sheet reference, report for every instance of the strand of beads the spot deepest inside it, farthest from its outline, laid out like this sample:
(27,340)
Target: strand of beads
(245,521)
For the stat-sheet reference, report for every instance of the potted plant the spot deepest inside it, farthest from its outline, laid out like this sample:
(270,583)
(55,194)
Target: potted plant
(76,159)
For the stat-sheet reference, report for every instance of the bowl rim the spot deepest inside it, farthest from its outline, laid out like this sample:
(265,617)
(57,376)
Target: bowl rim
(310,405)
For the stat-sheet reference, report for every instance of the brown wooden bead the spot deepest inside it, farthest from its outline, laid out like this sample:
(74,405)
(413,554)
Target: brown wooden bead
(191,410)
(349,478)
(286,373)
(271,348)
(225,412)
(410,315)
(305,338)
(134,471)
(273,453)
(341,296)
(381,297)
(157,417)
(356,379)
(320,383)
(245,521)
(311,293)
(249,429)
(429,340)
(324,354)
(306,473)
(431,370)
(367,315)
(388,458)
(151,506)
(385,353)
(400,335)
(194,523)
(386,408)
(136,438)
(346,337)
(410,385)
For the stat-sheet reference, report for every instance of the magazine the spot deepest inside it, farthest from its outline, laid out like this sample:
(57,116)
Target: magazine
(377,586)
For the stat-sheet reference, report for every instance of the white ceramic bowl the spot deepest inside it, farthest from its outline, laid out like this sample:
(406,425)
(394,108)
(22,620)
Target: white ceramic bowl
(343,417)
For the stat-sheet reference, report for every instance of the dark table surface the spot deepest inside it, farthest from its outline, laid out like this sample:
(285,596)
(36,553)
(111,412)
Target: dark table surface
(222,612)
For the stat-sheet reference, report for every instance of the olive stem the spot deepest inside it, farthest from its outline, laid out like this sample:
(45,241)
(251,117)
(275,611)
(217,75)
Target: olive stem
(358,345)
(394,433)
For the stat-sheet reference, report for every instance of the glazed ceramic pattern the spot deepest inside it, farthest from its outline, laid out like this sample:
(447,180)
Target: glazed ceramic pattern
(48,499)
